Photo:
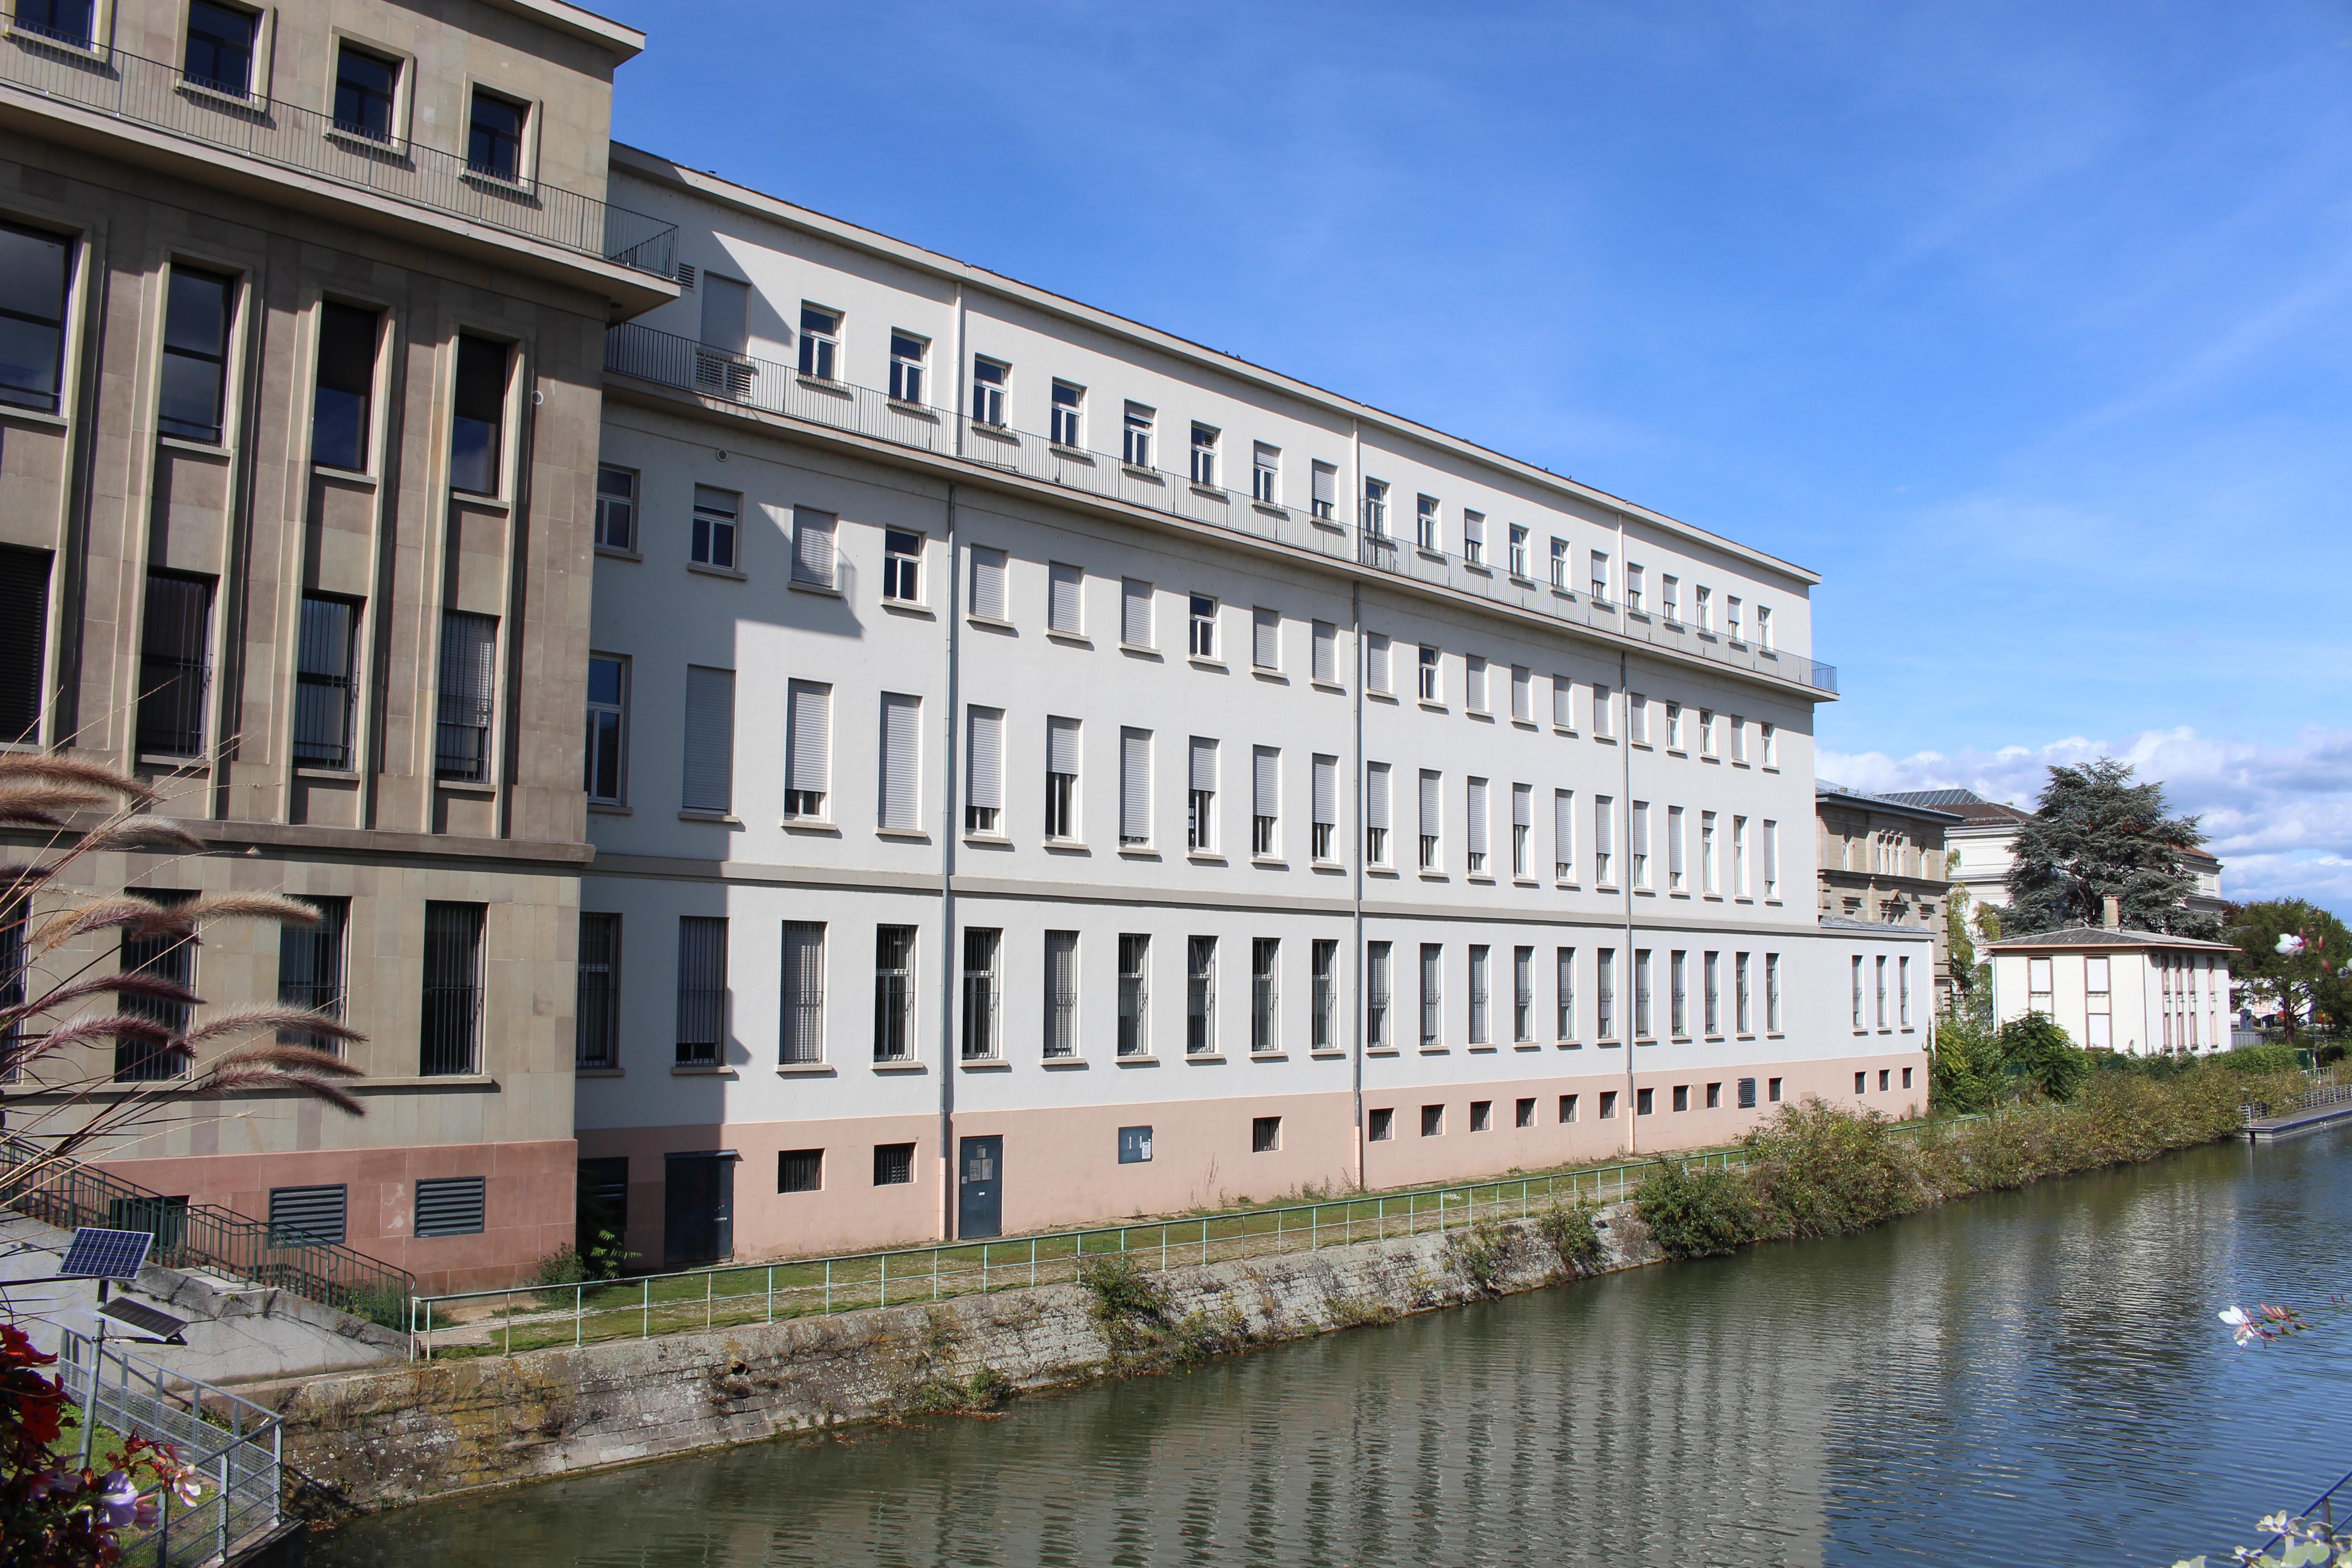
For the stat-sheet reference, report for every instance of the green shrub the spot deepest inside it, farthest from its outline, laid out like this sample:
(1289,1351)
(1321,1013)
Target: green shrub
(1130,1306)
(1816,1170)
(1569,1230)
(1478,1253)
(1696,1214)
(2272,1056)
(564,1266)
(1964,1076)
(2034,1050)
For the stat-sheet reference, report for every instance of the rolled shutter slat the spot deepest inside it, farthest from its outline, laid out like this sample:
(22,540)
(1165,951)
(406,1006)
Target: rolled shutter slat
(1062,746)
(986,758)
(1265,767)
(901,731)
(1432,810)
(1326,790)
(1134,614)
(709,739)
(1204,763)
(1135,784)
(1477,806)
(1376,795)
(810,741)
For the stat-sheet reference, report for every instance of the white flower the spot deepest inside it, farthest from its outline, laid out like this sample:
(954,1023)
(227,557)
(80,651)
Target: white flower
(2243,1328)
(2290,944)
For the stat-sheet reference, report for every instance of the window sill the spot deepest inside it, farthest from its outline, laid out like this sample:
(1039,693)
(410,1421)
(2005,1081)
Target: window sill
(915,410)
(488,181)
(906,834)
(1138,650)
(1269,863)
(1275,676)
(901,1066)
(1434,876)
(349,774)
(1477,1050)
(1327,865)
(1429,707)
(1217,665)
(344,476)
(201,448)
(1769,767)
(997,839)
(1332,687)
(1710,898)
(1604,739)
(432,1080)
(709,1069)
(1327,1056)
(991,623)
(1737,763)
(1270,510)
(1210,492)
(36,416)
(1431,1050)
(1068,639)
(1525,882)
(609,554)
(1204,857)
(1609,1044)
(1479,878)
(1642,745)
(1205,1058)
(807,825)
(458,786)
(1072,453)
(986,1064)
(599,1072)
(494,504)
(1481,714)
(1066,847)
(1140,1059)
(793,1069)
(1568,1045)
(1379,1050)
(1138,852)
(729,817)
(1062,1064)
(1569,887)
(819,384)
(1525,1046)
(1381,871)
(38,39)
(1132,472)
(1707,757)
(1388,697)
(825,589)
(1676,752)
(1528,724)
(906,608)
(703,568)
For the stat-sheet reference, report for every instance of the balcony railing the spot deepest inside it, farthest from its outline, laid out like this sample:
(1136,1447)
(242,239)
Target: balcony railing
(669,360)
(151,93)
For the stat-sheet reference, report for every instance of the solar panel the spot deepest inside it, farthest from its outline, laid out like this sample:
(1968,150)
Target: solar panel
(143,1318)
(106,1254)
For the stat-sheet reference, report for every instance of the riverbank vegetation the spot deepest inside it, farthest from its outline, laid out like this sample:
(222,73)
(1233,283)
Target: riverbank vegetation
(1821,1170)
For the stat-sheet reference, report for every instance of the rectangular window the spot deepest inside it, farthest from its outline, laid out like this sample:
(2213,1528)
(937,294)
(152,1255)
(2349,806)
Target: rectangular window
(1432,816)
(1134,788)
(1640,848)
(1376,995)
(1063,430)
(1474,538)
(1674,879)
(1061,995)
(1062,778)
(1857,991)
(1200,995)
(343,396)
(1481,1116)
(1704,599)
(1201,799)
(1376,662)
(1707,731)
(808,748)
(1707,861)
(1376,507)
(1136,441)
(1519,557)
(707,782)
(1677,977)
(1473,683)
(902,566)
(1433,1122)
(220,48)
(173,668)
(1135,613)
(1564,993)
(1523,808)
(1066,598)
(1600,709)
(1135,1145)
(494,139)
(1480,984)
(597,1000)
(1425,526)
(1739,857)
(34,268)
(1713,980)
(1772,994)
(894,993)
(702,990)
(1772,859)
(478,415)
(1134,995)
(1265,638)
(325,683)
(1433,996)
(1637,719)
(1475,820)
(1427,667)
(1265,954)
(1205,455)
(616,509)
(1600,576)
(1633,587)
(1764,627)
(1742,1020)
(1327,488)
(1674,727)
(1265,801)
(800,1170)
(310,970)
(907,355)
(987,602)
(1903,992)
(1731,628)
(448,1040)
(983,765)
(715,514)
(820,342)
(1323,977)
(1879,972)
(1561,564)
(900,806)
(1325,649)
(309,1217)
(1738,741)
(1266,474)
(68,21)
(451,1205)
(1682,1097)
(1670,597)
(1376,812)
(1605,838)
(1604,994)
(1644,1101)
(1522,694)
(813,546)
(988,380)
(894,1165)
(1380,1126)
(1523,995)
(979,992)
(1266,1134)
(1203,624)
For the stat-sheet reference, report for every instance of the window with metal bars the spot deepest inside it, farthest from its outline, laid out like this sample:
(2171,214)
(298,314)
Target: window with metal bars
(1376,995)
(1265,955)
(1433,994)
(1323,1024)
(894,1165)
(325,684)
(311,969)
(1200,995)
(1481,979)
(451,1205)
(169,956)
(1523,994)
(979,992)
(801,994)
(449,1036)
(173,671)
(467,705)
(1134,995)
(702,989)
(894,993)
(597,1029)
(11,983)
(1061,993)
(24,632)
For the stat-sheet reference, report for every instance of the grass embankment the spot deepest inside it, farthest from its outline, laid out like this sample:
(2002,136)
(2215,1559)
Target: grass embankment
(1815,1169)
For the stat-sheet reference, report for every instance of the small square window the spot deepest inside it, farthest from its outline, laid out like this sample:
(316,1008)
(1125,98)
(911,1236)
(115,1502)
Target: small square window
(1860,1079)
(1642,1103)
(800,1170)
(1715,1097)
(1381,1125)
(1608,1105)
(1135,1145)
(494,139)
(1884,1075)
(1906,1077)
(1682,1097)
(1774,1091)
(1482,1115)
(894,1166)
(1527,1112)
(1567,1108)
(1266,1134)
(1432,1120)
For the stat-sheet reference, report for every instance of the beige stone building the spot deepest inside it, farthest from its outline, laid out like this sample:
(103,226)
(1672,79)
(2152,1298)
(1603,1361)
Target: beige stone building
(1883,861)
(302,322)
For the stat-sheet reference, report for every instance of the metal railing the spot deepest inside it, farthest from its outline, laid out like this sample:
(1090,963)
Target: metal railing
(67,1194)
(648,354)
(234,1445)
(151,93)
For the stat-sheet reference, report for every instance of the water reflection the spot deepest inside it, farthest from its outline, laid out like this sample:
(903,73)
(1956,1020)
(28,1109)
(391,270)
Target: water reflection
(2033,1377)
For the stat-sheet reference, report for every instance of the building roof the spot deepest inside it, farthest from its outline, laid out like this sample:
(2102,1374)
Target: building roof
(2100,936)
(1825,793)
(1966,805)
(1875,928)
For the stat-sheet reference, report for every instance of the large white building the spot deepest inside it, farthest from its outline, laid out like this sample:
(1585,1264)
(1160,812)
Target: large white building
(1042,770)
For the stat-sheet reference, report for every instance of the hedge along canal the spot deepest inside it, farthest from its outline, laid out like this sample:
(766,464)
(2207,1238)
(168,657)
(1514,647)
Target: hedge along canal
(2034,1375)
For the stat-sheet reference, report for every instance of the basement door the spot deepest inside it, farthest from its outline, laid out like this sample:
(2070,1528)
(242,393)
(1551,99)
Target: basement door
(980,1197)
(698,1208)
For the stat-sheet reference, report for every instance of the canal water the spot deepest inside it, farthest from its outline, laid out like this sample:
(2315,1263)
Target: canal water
(2035,1378)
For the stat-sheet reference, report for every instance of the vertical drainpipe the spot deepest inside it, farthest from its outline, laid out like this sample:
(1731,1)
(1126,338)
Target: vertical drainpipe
(1356,859)
(948,809)
(1625,875)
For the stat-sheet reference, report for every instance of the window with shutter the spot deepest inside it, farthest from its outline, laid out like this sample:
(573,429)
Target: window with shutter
(1523,811)
(812,532)
(1432,815)
(1201,777)
(984,770)
(1265,768)
(1134,787)
(1326,643)
(1563,834)
(988,583)
(1065,607)
(24,635)
(1563,702)
(901,803)
(807,748)
(1376,812)
(1376,663)
(1061,778)
(802,998)
(1135,613)
(1473,683)
(1522,693)
(1476,802)
(597,1036)
(1326,791)
(451,1205)
(1265,638)
(709,774)
(1605,838)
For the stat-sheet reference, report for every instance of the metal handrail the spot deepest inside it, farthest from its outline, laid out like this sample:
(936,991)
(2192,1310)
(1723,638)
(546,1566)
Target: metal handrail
(646,353)
(647,1305)
(152,93)
(67,1194)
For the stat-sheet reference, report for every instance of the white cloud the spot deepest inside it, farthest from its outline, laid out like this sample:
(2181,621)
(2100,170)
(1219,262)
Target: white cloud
(2280,817)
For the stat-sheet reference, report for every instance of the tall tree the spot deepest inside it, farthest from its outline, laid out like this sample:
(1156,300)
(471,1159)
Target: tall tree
(2096,836)
(2295,956)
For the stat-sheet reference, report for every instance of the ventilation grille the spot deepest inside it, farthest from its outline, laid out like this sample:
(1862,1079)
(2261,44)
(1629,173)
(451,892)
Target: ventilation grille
(449,1206)
(686,277)
(307,1215)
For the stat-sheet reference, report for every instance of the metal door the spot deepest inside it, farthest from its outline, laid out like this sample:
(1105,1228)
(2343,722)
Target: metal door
(980,1201)
(697,1207)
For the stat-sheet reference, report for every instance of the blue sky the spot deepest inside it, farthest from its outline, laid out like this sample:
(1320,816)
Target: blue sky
(2027,326)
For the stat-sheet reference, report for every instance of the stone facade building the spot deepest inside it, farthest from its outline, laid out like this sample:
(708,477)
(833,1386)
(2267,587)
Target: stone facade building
(1885,860)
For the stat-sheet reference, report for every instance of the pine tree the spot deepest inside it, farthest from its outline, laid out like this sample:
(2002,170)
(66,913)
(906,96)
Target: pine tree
(2097,835)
